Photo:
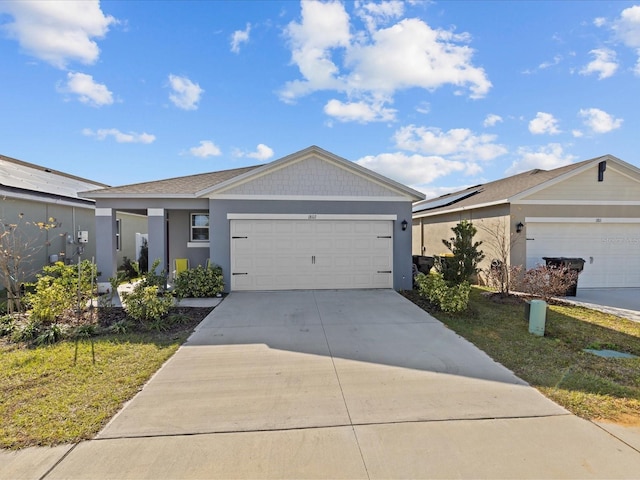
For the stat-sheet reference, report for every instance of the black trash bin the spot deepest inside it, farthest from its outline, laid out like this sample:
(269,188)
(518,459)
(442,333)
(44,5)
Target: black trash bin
(423,263)
(568,264)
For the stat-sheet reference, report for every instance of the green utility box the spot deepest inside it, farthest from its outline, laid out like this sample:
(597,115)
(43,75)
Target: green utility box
(537,317)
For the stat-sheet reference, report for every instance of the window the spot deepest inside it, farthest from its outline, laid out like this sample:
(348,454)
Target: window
(118,225)
(199,227)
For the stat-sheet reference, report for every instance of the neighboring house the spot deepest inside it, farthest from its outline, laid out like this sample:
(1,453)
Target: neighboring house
(588,210)
(40,194)
(311,220)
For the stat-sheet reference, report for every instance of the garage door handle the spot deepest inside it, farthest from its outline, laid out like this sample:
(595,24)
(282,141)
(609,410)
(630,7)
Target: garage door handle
(380,236)
(313,260)
(243,273)
(239,237)
(384,271)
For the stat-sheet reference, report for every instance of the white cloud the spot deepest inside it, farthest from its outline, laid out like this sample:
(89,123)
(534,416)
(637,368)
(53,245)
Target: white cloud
(239,37)
(88,91)
(599,121)
(186,94)
(262,152)
(604,63)
(373,14)
(491,120)
(118,136)
(577,133)
(544,123)
(545,158)
(324,26)
(378,62)
(206,149)
(599,21)
(362,111)
(627,27)
(556,60)
(417,170)
(459,143)
(58,32)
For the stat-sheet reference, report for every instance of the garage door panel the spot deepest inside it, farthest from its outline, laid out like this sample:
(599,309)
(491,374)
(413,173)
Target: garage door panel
(610,250)
(309,254)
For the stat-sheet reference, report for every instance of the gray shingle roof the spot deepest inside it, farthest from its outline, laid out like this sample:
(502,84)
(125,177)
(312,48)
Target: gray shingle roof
(493,192)
(172,187)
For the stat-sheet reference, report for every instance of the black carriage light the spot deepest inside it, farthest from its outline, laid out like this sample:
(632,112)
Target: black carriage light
(404,225)
(519,227)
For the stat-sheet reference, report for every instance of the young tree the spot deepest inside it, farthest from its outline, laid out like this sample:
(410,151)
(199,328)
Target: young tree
(20,241)
(500,243)
(463,265)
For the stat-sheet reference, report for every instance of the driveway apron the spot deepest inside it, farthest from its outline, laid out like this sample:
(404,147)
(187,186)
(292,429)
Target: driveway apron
(340,384)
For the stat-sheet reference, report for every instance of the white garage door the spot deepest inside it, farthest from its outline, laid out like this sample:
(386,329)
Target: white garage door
(611,250)
(311,254)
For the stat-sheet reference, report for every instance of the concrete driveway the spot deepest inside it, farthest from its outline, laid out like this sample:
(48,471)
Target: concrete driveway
(340,384)
(624,302)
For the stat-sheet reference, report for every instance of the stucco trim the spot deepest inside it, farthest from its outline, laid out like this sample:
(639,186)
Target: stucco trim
(580,220)
(305,216)
(305,197)
(104,212)
(155,212)
(197,244)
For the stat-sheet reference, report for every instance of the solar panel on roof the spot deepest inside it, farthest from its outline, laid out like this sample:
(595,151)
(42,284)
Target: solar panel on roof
(443,201)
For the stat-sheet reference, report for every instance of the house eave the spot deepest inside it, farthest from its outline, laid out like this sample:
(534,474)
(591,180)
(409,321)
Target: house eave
(461,209)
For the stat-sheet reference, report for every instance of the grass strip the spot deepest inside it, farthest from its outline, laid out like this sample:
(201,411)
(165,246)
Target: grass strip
(587,385)
(46,399)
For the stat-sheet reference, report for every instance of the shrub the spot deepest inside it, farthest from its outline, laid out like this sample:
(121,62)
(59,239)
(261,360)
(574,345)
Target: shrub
(448,298)
(120,327)
(543,281)
(463,262)
(145,304)
(130,270)
(27,332)
(50,335)
(7,325)
(199,282)
(59,288)
(154,279)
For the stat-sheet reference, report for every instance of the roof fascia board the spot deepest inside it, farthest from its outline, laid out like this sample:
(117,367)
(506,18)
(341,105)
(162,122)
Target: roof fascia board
(577,202)
(96,195)
(461,209)
(34,197)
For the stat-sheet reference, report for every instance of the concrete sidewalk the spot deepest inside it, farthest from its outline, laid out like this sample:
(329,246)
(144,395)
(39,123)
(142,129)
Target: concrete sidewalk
(337,384)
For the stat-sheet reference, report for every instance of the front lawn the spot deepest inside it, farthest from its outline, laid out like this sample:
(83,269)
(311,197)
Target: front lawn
(49,395)
(585,384)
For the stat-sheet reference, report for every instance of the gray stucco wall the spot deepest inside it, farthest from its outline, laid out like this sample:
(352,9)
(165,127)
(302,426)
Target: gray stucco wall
(44,243)
(220,247)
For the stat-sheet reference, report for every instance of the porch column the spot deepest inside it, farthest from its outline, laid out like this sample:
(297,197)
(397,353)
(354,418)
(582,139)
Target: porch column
(106,243)
(157,228)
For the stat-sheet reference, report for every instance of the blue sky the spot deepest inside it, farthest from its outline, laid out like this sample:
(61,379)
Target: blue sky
(436,95)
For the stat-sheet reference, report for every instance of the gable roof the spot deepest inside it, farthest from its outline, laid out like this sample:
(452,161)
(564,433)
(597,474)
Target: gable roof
(177,187)
(504,190)
(17,176)
(210,184)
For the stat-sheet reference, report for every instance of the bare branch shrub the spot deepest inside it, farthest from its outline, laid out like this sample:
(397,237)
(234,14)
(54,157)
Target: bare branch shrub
(499,244)
(543,281)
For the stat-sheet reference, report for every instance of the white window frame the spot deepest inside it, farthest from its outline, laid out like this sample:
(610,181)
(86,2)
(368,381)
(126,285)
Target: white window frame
(192,227)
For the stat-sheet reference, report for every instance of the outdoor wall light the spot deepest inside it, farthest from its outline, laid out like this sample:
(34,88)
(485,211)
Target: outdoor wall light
(404,225)
(519,227)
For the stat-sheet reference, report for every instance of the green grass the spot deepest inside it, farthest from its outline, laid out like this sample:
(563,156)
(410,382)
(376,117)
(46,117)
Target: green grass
(47,399)
(587,385)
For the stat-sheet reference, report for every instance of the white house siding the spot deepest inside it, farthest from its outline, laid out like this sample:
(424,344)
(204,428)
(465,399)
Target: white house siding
(617,185)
